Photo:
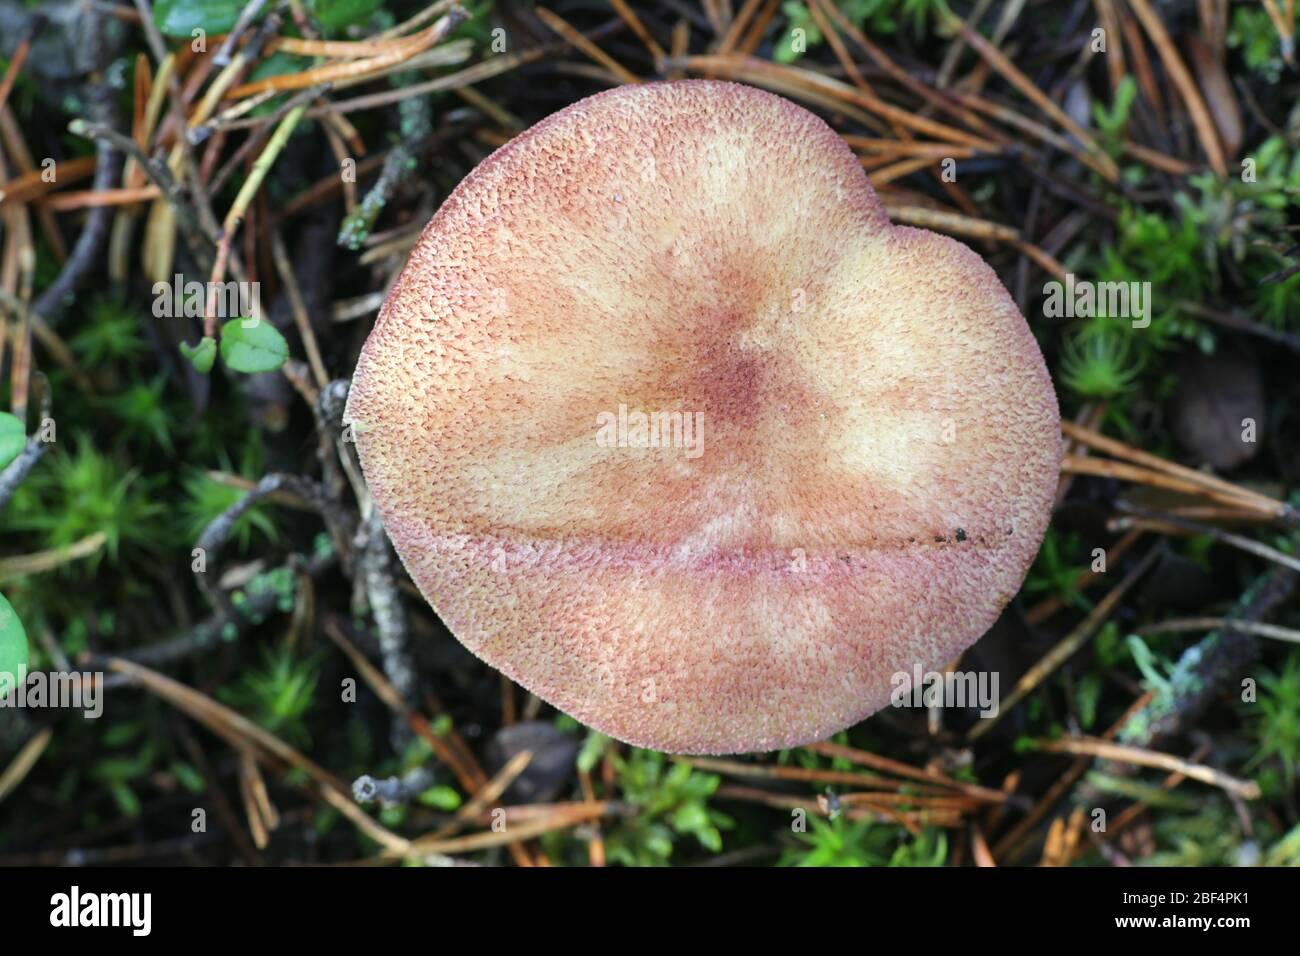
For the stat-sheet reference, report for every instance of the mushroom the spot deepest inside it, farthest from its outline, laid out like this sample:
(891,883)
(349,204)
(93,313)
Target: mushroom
(672,426)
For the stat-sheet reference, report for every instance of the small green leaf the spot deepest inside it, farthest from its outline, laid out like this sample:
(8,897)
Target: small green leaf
(257,348)
(177,18)
(189,778)
(127,802)
(13,437)
(337,14)
(443,798)
(593,748)
(201,356)
(13,642)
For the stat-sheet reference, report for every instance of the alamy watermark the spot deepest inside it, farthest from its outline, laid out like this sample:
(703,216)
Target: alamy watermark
(1082,299)
(133,911)
(638,429)
(62,690)
(179,299)
(920,688)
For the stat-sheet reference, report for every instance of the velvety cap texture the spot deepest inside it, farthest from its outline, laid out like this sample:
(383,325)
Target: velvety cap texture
(673,427)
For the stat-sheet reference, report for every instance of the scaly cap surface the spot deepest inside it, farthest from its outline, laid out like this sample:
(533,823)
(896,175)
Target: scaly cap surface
(880,438)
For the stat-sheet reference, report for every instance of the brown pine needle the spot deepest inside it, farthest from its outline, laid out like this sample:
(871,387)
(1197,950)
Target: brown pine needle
(23,762)
(341,49)
(862,809)
(240,732)
(1121,753)
(38,562)
(1048,606)
(628,15)
(1258,628)
(1168,164)
(927,801)
(797,82)
(581,43)
(1061,785)
(737,26)
(15,67)
(898,147)
(399,52)
(980,848)
(488,793)
(1067,647)
(1108,17)
(1104,468)
(375,679)
(1285,31)
(900,169)
(30,186)
(1025,124)
(559,817)
(936,98)
(736,768)
(950,222)
(1171,524)
(418,20)
(470,74)
(1042,258)
(1012,74)
(301,321)
(1094,439)
(1129,814)
(864,758)
(91,198)
(1183,81)
(837,47)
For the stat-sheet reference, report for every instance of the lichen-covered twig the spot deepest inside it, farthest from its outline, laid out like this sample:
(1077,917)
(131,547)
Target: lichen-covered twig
(1206,669)
(1209,667)
(392,791)
(217,628)
(246,17)
(186,216)
(375,561)
(21,467)
(219,529)
(101,100)
(415,125)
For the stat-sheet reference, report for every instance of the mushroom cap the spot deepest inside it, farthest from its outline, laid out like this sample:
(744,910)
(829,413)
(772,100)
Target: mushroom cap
(880,435)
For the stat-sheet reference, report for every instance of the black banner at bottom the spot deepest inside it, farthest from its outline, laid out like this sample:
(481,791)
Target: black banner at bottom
(335,906)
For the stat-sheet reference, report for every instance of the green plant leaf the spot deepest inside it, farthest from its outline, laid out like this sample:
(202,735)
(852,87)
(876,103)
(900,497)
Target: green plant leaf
(201,356)
(177,18)
(441,797)
(13,437)
(592,749)
(258,348)
(337,14)
(13,639)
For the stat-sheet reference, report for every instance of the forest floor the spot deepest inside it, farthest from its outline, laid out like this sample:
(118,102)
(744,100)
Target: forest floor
(190,528)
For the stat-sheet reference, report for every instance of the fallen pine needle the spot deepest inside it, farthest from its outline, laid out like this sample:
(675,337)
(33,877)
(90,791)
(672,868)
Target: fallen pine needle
(575,37)
(1121,753)
(1067,647)
(240,731)
(22,764)
(39,562)
(1258,628)
(567,815)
